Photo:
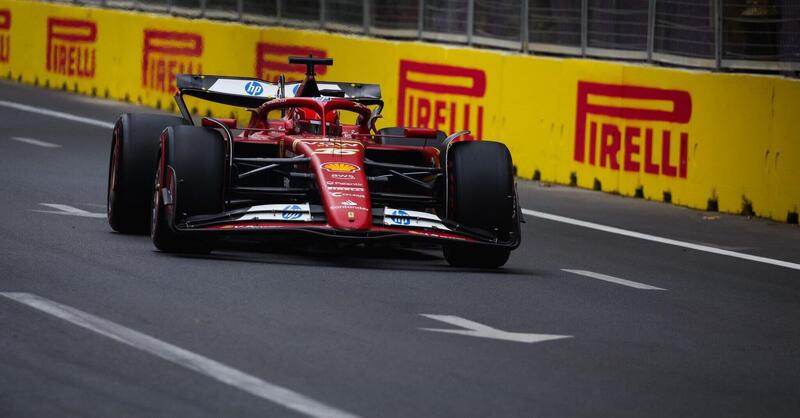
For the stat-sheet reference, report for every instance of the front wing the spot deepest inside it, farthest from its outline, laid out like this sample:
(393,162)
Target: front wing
(308,221)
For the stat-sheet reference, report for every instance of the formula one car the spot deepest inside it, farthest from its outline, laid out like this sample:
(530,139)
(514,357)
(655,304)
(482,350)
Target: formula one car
(310,164)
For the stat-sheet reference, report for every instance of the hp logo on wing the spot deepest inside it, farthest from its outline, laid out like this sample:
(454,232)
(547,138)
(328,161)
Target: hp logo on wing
(400,217)
(292,212)
(253,88)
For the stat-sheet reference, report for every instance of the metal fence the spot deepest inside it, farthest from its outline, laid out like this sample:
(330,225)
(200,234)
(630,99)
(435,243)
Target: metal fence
(748,35)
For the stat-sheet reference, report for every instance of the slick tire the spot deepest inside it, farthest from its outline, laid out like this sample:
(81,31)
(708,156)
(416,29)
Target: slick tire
(480,195)
(191,171)
(134,145)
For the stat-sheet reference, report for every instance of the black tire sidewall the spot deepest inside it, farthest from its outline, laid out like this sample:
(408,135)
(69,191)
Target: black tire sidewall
(480,195)
(481,185)
(196,157)
(136,139)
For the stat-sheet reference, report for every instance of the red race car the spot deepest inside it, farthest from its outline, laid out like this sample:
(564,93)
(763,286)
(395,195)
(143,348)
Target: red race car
(309,165)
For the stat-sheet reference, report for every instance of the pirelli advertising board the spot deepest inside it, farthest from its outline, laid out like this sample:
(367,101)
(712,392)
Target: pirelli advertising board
(688,137)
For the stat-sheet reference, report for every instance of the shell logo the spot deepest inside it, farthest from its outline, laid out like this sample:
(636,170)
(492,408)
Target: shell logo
(340,167)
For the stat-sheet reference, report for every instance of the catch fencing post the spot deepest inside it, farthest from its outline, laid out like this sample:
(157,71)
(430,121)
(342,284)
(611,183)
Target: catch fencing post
(524,32)
(420,19)
(366,16)
(239,8)
(584,26)
(651,29)
(718,19)
(321,13)
(470,20)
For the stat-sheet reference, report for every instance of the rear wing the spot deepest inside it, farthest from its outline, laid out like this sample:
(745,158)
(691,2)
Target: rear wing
(252,92)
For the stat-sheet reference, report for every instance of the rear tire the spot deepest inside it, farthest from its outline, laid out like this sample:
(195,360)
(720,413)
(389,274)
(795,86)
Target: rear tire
(481,195)
(134,145)
(193,163)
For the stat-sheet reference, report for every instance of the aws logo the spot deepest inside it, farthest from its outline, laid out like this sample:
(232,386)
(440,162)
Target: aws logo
(167,54)
(5,36)
(272,60)
(443,97)
(71,47)
(633,128)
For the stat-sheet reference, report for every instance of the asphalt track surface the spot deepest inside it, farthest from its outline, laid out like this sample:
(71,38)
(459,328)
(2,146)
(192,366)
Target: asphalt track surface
(344,329)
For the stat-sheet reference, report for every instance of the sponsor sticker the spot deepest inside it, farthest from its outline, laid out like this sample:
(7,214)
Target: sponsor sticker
(630,127)
(292,212)
(347,189)
(413,219)
(399,217)
(340,167)
(343,176)
(349,203)
(278,212)
(71,47)
(253,88)
(166,54)
(343,183)
(340,194)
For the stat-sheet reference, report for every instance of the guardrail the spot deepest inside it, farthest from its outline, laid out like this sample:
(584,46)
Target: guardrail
(741,35)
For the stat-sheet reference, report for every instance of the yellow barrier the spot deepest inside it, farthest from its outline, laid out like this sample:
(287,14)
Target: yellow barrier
(693,138)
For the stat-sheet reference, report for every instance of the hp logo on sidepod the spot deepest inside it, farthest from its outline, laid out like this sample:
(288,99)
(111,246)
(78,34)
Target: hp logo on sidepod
(253,88)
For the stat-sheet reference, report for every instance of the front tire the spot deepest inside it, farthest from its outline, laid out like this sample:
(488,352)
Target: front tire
(191,172)
(134,145)
(480,195)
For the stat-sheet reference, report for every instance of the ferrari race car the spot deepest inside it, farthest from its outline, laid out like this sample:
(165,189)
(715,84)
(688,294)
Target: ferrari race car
(310,164)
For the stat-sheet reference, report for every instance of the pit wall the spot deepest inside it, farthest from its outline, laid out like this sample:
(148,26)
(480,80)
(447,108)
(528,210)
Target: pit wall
(696,139)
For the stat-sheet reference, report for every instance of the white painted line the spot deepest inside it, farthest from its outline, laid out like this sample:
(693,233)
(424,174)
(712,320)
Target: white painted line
(68,210)
(474,329)
(654,238)
(205,366)
(37,142)
(56,114)
(613,279)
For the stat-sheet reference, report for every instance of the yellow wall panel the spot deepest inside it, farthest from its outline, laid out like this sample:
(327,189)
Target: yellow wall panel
(691,134)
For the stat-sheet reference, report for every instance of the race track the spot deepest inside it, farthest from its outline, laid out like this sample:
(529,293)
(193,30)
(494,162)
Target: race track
(679,313)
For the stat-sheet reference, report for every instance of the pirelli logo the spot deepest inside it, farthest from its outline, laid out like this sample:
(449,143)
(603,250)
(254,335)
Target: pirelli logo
(5,35)
(166,54)
(443,97)
(71,47)
(633,128)
(272,60)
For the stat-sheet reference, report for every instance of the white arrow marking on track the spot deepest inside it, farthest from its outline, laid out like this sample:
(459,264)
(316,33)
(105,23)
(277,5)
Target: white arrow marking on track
(68,210)
(474,329)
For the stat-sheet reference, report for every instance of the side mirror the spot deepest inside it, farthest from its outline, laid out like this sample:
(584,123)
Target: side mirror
(208,123)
